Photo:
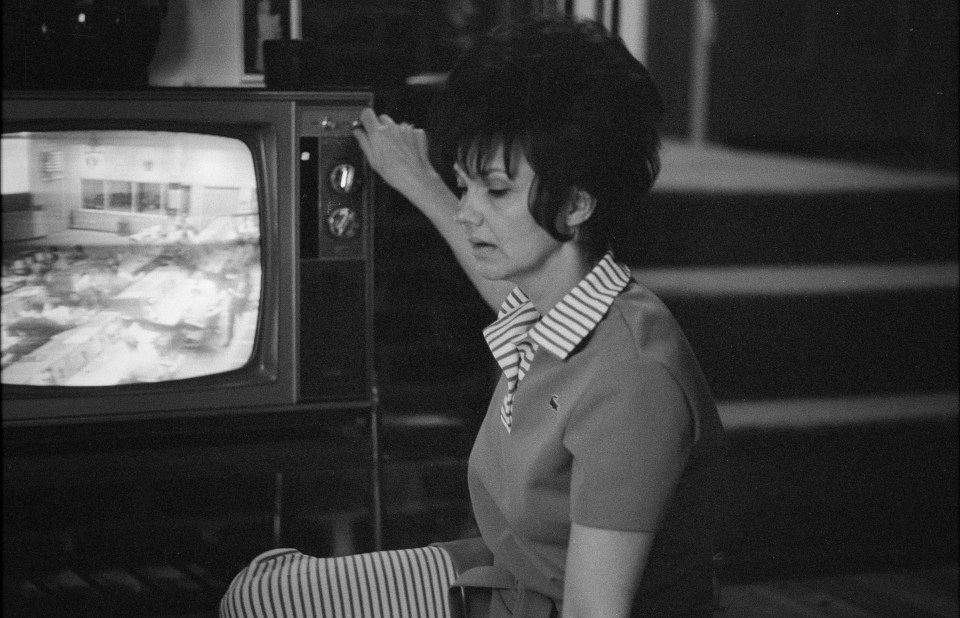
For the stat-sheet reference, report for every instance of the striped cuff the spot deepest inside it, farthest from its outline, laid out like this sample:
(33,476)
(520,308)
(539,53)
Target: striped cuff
(285,583)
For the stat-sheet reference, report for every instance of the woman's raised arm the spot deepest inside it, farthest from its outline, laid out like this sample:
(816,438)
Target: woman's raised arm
(398,153)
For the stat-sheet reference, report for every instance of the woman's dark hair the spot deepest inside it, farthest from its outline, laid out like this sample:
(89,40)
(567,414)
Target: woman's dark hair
(583,110)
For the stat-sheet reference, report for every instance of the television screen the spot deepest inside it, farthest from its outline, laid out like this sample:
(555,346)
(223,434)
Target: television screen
(128,256)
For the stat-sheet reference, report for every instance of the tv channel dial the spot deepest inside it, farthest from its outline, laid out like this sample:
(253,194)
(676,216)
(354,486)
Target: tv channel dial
(344,178)
(343,222)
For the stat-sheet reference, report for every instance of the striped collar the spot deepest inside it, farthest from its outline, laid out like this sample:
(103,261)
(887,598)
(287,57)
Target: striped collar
(569,322)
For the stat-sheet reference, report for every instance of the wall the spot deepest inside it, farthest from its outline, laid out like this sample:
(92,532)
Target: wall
(15,172)
(201,44)
(874,80)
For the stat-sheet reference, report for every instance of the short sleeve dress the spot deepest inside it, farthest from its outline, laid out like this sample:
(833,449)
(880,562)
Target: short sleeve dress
(609,424)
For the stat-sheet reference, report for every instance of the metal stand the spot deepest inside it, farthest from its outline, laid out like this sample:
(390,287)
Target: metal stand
(375,497)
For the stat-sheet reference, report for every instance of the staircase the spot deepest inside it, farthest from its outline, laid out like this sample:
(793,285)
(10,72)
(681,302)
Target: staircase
(800,279)
(821,299)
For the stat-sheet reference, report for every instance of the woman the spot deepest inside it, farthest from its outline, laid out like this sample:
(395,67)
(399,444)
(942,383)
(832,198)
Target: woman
(591,477)
(593,473)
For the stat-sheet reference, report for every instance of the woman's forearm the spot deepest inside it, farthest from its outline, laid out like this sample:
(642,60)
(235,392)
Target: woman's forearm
(399,154)
(603,571)
(439,204)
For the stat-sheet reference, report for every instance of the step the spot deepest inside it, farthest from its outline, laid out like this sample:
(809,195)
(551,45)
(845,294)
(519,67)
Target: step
(879,485)
(699,229)
(823,345)
(836,412)
(715,205)
(797,280)
(818,330)
(713,168)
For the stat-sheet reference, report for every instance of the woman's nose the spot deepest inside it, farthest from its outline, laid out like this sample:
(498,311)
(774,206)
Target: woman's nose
(467,214)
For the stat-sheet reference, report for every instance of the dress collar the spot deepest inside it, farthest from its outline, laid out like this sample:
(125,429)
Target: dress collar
(571,320)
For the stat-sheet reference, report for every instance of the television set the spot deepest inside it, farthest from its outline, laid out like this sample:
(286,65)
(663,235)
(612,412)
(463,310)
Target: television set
(183,252)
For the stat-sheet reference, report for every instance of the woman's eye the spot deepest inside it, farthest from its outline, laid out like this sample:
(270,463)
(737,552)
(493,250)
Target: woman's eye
(497,192)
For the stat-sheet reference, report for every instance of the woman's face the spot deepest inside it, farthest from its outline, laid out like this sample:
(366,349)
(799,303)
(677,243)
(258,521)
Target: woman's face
(495,216)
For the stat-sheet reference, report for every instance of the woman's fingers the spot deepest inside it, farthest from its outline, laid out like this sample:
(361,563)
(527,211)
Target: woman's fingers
(396,151)
(363,140)
(421,136)
(379,132)
(371,128)
(369,119)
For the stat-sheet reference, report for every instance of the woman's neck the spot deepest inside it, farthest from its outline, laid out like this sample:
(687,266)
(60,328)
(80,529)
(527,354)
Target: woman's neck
(559,274)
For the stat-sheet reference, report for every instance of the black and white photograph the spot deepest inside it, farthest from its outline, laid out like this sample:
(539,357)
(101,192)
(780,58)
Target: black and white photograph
(480,308)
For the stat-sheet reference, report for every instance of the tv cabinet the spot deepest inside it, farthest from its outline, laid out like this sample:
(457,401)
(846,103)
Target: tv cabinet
(154,519)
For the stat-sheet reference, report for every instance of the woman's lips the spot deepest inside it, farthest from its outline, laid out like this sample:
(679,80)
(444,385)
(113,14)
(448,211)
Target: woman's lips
(478,244)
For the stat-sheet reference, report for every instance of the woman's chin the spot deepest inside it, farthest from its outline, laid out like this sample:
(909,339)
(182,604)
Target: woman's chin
(489,271)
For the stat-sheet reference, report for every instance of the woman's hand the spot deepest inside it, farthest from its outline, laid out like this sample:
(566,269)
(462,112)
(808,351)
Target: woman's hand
(398,152)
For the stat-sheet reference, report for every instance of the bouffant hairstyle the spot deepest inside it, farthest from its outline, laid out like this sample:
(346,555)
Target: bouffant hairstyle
(572,98)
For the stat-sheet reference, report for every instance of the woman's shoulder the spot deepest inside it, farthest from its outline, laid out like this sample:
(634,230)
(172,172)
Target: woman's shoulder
(642,316)
(639,329)
(640,336)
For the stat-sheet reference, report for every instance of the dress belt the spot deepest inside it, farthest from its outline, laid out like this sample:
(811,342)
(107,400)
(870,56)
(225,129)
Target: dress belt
(507,598)
(482,590)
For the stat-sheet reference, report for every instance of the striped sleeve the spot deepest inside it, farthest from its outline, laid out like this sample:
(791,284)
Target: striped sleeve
(283,583)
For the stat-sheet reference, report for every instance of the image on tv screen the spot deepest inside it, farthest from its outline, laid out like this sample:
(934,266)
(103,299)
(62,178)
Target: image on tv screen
(128,256)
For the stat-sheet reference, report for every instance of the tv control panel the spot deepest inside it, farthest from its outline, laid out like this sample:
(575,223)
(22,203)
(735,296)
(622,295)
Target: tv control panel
(333,192)
(335,248)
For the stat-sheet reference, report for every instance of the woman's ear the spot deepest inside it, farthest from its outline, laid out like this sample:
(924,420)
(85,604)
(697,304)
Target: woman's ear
(579,209)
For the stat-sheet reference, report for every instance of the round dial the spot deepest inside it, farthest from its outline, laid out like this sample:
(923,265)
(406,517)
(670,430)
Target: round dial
(343,222)
(344,178)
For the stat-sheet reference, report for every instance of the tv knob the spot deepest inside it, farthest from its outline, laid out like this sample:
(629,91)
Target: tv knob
(343,223)
(344,179)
